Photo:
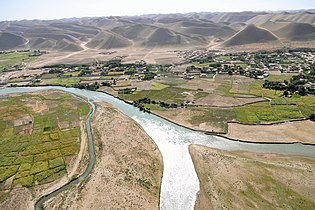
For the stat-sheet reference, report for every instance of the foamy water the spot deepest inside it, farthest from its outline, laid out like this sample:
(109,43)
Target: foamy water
(180,182)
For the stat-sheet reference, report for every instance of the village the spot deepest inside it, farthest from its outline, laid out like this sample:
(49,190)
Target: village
(198,64)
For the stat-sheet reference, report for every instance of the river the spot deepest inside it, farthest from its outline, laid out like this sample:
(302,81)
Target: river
(180,183)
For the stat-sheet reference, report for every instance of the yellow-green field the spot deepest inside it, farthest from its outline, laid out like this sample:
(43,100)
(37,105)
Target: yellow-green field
(38,131)
(12,59)
(63,81)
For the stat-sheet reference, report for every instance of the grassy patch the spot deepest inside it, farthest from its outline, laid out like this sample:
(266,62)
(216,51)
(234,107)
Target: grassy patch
(280,78)
(12,59)
(49,76)
(256,88)
(27,181)
(224,85)
(63,81)
(264,112)
(73,73)
(223,58)
(215,116)
(7,171)
(56,162)
(39,166)
(201,95)
(158,86)
(306,104)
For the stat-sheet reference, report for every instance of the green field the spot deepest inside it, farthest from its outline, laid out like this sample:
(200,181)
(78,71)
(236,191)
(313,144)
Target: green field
(73,73)
(158,86)
(63,81)
(280,78)
(12,59)
(265,112)
(216,116)
(306,104)
(37,133)
(224,86)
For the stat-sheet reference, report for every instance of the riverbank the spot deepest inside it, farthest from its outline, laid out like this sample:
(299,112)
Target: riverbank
(289,132)
(246,180)
(128,168)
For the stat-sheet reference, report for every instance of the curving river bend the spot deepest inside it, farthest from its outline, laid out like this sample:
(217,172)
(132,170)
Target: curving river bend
(180,183)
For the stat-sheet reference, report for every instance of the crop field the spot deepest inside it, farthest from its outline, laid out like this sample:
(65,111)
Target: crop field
(63,81)
(158,86)
(37,133)
(265,112)
(216,116)
(72,73)
(280,78)
(306,104)
(224,85)
(12,59)
(239,85)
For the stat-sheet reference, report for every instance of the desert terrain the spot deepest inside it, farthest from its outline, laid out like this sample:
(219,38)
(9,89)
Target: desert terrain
(157,38)
(128,169)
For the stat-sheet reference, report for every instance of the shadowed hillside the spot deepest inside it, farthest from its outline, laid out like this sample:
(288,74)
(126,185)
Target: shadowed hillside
(10,41)
(108,40)
(251,35)
(297,31)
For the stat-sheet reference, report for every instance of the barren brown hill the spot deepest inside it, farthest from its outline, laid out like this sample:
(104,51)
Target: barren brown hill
(301,17)
(135,31)
(164,36)
(297,32)
(251,35)
(234,17)
(108,40)
(160,31)
(216,31)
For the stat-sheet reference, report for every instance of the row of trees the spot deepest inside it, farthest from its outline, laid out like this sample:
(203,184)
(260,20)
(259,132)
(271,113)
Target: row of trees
(145,100)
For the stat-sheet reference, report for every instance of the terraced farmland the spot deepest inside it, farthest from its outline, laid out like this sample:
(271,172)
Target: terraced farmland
(39,135)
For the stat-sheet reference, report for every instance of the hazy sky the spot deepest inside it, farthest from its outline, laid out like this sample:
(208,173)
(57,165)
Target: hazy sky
(54,9)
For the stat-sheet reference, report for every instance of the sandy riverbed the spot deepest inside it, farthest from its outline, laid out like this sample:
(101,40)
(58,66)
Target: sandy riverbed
(128,169)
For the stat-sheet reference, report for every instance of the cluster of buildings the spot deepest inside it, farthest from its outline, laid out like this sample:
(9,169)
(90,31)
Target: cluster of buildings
(253,64)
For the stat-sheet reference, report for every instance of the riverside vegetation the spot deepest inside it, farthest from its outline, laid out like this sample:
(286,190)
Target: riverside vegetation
(251,88)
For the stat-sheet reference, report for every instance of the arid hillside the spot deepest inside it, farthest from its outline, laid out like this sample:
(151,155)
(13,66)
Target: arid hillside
(191,30)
